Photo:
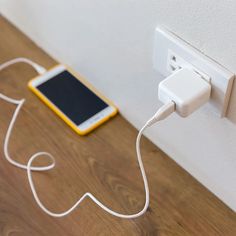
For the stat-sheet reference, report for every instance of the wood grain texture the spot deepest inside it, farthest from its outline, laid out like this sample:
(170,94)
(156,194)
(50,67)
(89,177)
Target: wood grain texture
(103,162)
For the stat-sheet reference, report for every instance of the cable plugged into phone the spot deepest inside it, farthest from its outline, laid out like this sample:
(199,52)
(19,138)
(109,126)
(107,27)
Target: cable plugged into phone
(39,69)
(184,91)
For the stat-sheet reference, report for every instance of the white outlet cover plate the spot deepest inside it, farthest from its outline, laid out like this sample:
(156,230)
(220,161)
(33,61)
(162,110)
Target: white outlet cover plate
(220,78)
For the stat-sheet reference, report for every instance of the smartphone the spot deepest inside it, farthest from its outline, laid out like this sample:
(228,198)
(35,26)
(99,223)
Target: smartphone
(73,99)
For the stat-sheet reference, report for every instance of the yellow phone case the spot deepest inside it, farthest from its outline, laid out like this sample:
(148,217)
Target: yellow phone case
(61,114)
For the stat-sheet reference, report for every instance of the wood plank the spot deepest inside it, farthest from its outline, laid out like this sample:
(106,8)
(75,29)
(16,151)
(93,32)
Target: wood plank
(103,162)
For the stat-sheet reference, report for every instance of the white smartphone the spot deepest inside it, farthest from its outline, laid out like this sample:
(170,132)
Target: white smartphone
(73,99)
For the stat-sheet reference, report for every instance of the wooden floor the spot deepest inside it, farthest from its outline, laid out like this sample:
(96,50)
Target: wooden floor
(103,162)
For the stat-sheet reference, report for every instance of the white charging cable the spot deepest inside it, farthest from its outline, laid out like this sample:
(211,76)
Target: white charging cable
(161,114)
(19,103)
(172,92)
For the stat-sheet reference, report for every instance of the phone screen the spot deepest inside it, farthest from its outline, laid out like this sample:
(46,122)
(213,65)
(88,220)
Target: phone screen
(72,97)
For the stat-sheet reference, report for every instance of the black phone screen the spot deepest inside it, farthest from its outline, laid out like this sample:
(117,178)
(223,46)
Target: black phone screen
(72,97)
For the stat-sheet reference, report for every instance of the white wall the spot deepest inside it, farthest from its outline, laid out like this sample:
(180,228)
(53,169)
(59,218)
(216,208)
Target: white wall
(111,43)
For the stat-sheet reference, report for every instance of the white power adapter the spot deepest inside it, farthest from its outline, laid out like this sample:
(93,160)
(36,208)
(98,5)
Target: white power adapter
(187,89)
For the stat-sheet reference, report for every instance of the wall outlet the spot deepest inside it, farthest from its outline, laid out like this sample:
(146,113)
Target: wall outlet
(172,53)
